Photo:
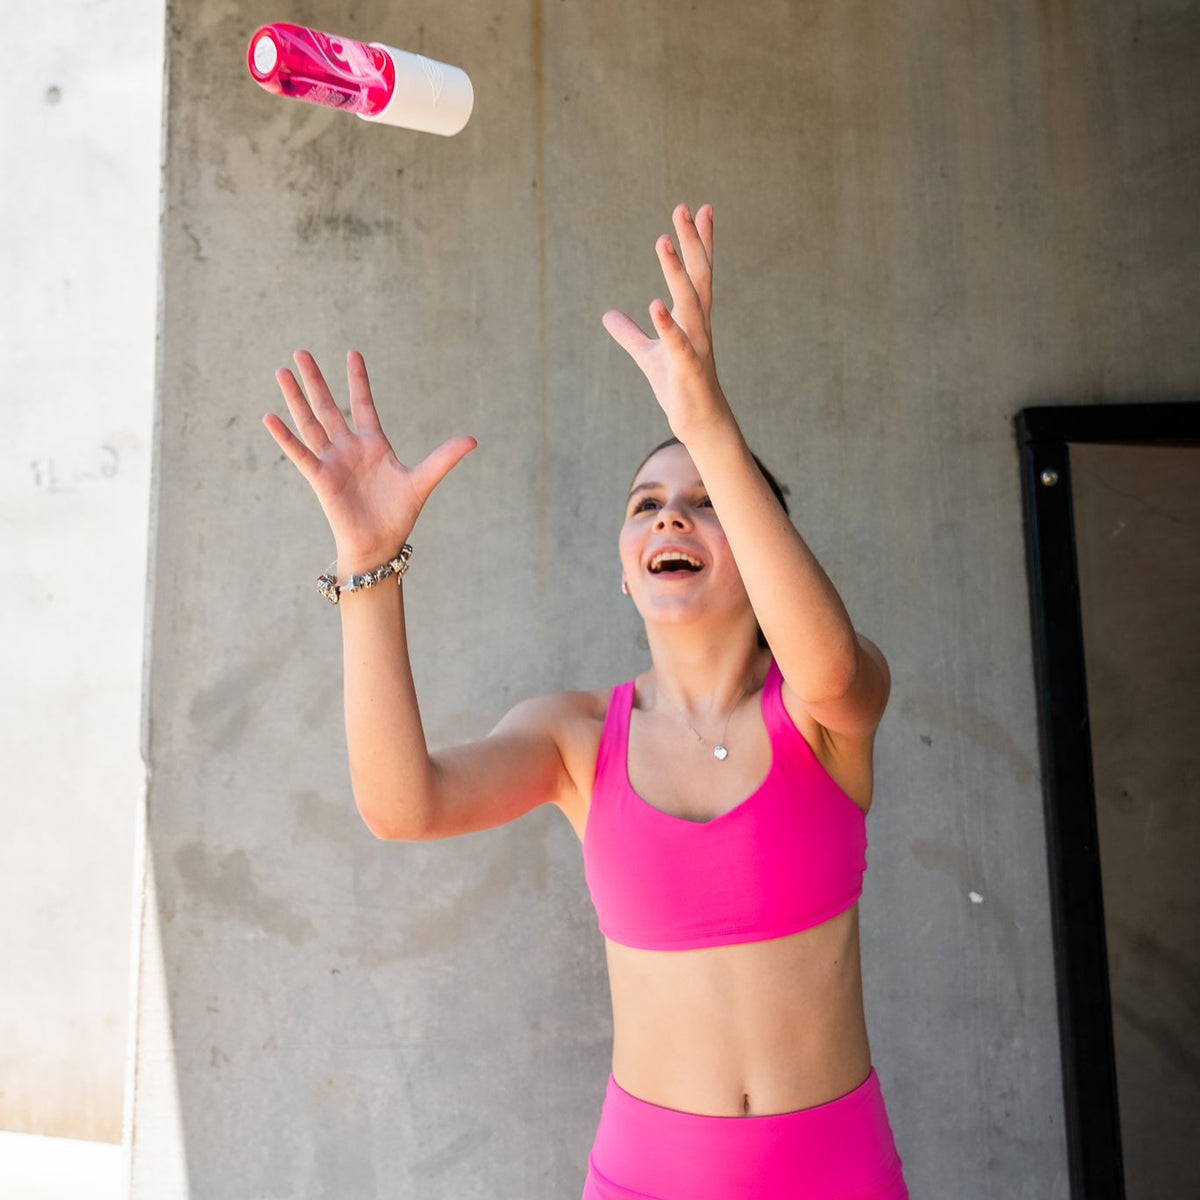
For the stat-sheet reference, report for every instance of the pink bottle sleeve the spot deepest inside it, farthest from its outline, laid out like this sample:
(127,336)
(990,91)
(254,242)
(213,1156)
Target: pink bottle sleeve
(322,68)
(377,82)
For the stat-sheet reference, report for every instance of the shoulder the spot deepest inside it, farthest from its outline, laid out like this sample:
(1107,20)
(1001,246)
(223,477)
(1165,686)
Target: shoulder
(575,722)
(563,714)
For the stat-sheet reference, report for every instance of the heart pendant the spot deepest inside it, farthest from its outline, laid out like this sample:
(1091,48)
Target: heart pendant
(719,752)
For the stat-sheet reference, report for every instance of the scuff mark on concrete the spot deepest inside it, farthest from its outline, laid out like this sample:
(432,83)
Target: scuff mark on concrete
(453,1153)
(197,249)
(435,929)
(225,704)
(345,225)
(983,731)
(225,882)
(956,863)
(326,821)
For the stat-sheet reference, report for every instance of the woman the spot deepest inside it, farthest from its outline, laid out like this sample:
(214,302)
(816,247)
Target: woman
(720,796)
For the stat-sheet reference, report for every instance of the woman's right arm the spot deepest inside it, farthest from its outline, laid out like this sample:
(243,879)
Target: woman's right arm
(372,501)
(402,791)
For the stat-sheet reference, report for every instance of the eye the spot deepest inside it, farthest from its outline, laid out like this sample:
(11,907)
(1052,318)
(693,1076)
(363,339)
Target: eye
(645,505)
(705,502)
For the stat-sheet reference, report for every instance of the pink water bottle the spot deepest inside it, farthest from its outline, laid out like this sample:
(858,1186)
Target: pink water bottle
(379,83)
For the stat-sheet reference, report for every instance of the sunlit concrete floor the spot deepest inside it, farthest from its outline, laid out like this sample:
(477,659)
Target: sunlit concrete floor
(46,1168)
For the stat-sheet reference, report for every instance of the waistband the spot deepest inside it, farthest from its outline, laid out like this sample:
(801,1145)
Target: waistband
(835,1151)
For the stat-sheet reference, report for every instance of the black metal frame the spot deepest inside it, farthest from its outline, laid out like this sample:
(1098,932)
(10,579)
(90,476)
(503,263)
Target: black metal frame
(1081,956)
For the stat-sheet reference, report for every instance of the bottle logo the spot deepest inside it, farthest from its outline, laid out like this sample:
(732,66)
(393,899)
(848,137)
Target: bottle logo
(436,74)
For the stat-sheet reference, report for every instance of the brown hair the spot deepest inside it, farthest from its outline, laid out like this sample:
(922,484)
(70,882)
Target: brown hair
(777,488)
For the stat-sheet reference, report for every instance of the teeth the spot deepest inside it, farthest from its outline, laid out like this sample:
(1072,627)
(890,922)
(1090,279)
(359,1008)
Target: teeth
(667,556)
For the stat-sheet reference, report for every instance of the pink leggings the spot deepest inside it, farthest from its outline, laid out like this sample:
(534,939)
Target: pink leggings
(842,1150)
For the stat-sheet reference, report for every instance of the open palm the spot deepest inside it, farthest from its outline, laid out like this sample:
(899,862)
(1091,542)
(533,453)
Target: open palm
(678,363)
(370,498)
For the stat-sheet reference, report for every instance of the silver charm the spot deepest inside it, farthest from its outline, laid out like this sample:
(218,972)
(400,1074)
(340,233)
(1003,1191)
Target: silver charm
(719,752)
(327,586)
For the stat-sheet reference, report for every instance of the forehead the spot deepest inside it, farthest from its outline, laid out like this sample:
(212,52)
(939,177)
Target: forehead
(671,464)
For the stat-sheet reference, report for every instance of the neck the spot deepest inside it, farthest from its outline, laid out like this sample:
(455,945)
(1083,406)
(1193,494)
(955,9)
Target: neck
(704,676)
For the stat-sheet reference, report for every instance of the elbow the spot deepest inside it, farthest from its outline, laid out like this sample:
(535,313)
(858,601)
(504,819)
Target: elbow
(386,828)
(836,678)
(391,818)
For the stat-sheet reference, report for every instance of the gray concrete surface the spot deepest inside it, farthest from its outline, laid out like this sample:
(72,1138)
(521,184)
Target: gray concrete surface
(928,215)
(79,185)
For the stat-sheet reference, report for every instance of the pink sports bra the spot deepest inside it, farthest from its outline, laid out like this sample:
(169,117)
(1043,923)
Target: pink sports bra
(788,857)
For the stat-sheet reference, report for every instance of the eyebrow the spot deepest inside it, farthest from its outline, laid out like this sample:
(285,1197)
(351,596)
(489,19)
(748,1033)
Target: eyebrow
(653,485)
(643,487)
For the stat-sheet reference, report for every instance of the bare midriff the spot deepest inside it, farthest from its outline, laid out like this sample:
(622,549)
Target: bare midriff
(742,1030)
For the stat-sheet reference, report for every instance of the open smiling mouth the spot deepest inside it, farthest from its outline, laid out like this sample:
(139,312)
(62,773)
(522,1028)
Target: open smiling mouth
(674,562)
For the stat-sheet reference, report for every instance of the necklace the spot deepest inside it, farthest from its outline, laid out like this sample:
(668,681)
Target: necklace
(720,750)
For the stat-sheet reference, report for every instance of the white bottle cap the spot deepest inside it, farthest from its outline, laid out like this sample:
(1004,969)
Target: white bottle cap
(266,54)
(429,96)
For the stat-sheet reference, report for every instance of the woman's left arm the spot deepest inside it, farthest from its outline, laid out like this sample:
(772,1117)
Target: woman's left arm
(840,677)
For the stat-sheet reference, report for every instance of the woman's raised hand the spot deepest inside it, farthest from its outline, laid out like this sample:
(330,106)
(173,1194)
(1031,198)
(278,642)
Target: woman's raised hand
(370,498)
(678,363)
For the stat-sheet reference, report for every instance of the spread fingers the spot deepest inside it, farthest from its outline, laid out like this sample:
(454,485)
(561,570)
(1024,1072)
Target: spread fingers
(320,399)
(684,295)
(310,429)
(362,406)
(695,247)
(302,457)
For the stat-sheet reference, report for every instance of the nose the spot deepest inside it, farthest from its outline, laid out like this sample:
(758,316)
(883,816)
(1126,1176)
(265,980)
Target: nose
(671,516)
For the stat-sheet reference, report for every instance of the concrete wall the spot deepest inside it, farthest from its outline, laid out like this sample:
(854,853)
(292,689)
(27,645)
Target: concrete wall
(928,216)
(79,175)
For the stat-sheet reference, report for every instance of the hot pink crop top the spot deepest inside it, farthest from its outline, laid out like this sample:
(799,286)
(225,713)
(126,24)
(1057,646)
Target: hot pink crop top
(788,857)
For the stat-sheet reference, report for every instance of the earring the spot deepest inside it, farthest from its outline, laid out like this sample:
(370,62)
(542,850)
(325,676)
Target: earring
(624,588)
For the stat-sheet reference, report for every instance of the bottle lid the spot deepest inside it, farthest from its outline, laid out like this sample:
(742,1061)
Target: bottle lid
(264,54)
